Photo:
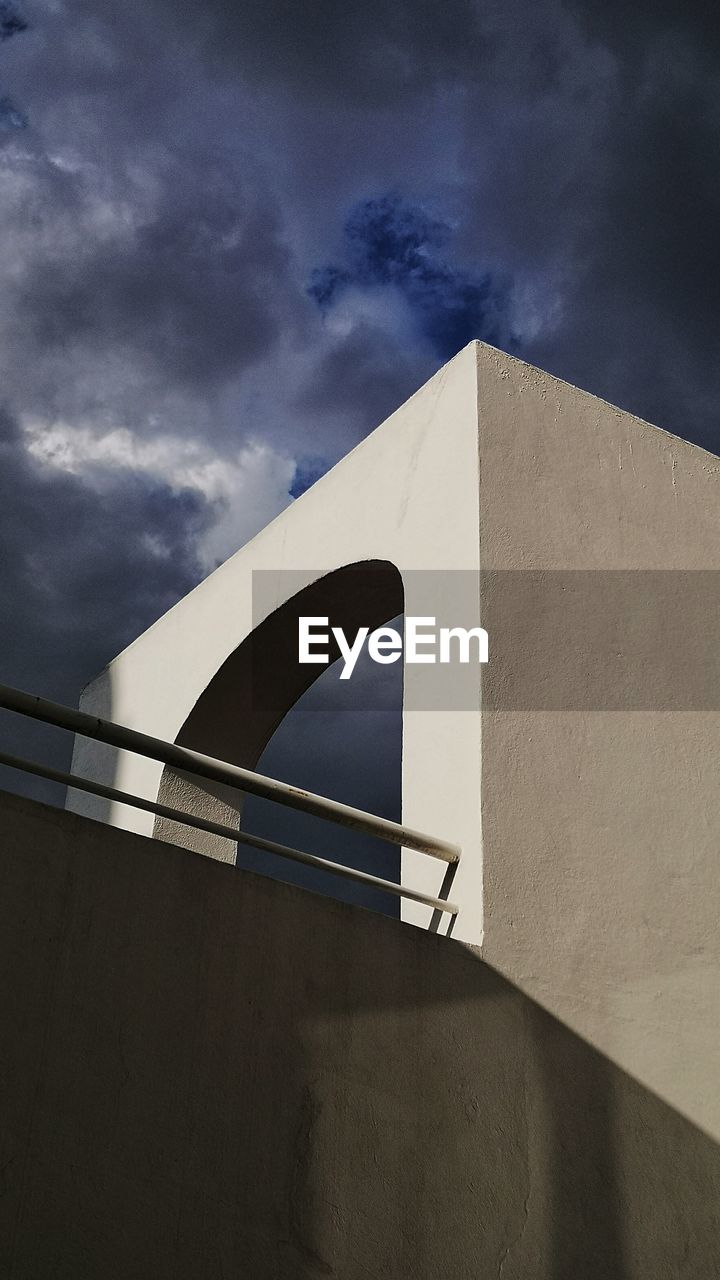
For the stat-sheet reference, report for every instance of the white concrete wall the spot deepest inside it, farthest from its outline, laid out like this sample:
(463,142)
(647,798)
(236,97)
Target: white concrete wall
(407,494)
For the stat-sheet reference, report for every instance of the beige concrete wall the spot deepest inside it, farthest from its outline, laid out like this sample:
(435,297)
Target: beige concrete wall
(204,1073)
(601,824)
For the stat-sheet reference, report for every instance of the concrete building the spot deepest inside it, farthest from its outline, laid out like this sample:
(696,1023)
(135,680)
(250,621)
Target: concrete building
(230,1076)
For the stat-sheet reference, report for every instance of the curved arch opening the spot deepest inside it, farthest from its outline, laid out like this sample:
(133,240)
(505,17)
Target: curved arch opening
(255,691)
(342,739)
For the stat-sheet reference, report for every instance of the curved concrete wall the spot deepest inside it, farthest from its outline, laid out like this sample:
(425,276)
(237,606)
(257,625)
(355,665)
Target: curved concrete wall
(206,1073)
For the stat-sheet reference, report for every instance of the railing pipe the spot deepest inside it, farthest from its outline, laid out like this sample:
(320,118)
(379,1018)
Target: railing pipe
(187,761)
(219,829)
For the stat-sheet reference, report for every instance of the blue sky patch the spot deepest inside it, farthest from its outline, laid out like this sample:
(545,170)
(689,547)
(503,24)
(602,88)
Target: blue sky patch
(391,242)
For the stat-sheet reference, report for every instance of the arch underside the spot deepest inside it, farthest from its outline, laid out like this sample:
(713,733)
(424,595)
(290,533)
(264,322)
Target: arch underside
(262,679)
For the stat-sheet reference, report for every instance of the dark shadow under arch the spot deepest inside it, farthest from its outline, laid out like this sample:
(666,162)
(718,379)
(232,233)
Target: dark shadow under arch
(342,739)
(242,706)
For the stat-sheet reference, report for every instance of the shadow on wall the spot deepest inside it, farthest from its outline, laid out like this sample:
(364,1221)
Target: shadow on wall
(207,1073)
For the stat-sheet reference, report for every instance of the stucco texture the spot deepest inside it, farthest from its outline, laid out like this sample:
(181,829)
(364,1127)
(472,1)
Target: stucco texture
(600,546)
(206,1074)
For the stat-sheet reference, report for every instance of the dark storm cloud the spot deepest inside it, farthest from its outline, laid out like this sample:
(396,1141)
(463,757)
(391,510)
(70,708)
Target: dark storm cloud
(186,168)
(82,572)
(188,289)
(10,117)
(12,21)
(356,381)
(147,267)
(372,53)
(141,269)
(631,28)
(640,300)
(11,24)
(83,569)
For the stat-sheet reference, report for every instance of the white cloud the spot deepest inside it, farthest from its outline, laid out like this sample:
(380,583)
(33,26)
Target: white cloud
(537,308)
(246,489)
(377,307)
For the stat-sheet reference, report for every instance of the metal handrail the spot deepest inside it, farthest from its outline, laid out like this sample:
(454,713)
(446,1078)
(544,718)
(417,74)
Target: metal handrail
(188,761)
(219,829)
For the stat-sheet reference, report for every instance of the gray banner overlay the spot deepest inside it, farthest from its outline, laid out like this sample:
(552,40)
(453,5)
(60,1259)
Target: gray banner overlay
(568,640)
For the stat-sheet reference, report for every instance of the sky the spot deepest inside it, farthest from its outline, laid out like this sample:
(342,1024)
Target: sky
(237,236)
